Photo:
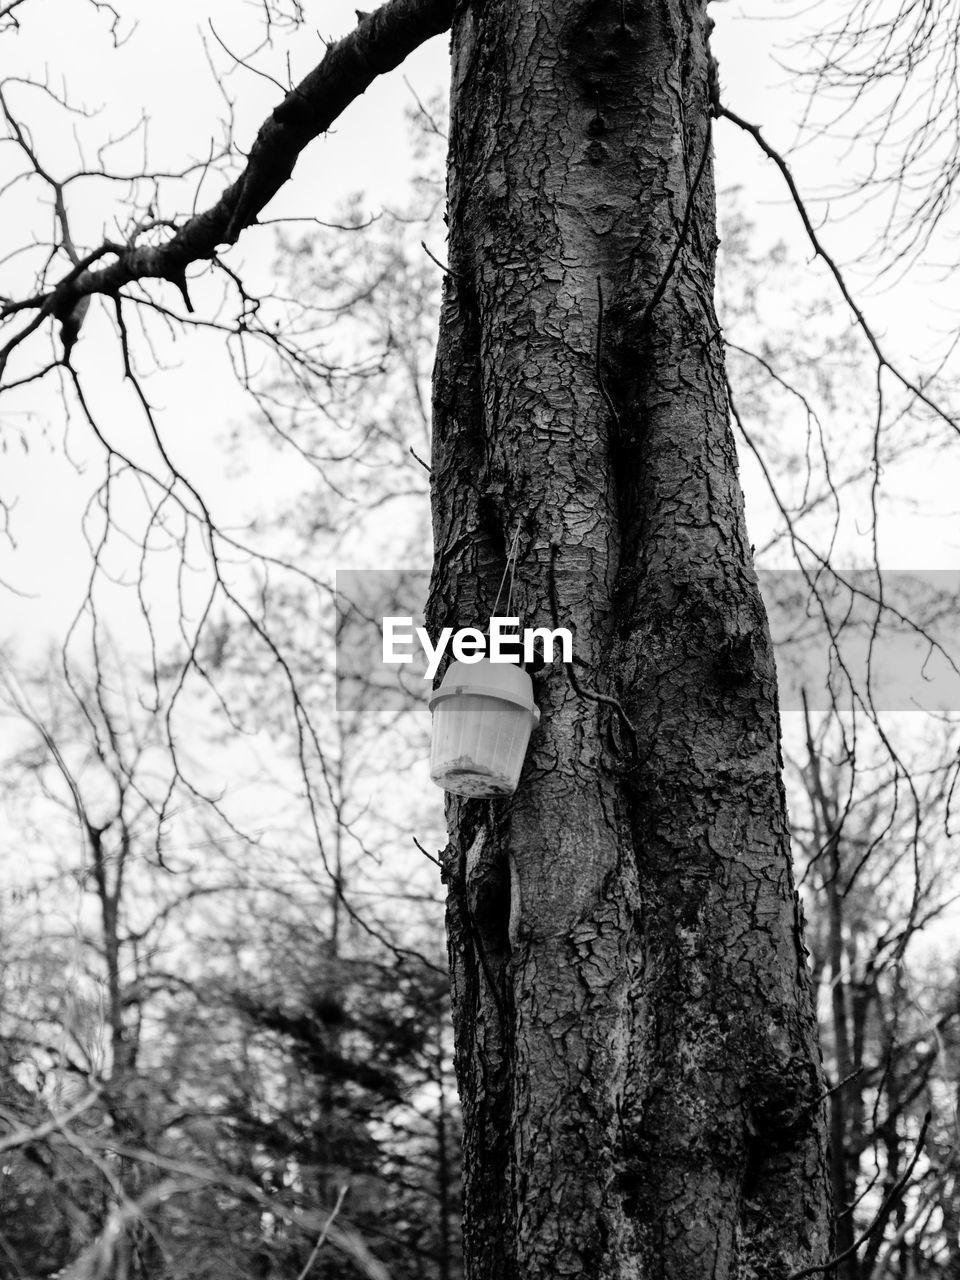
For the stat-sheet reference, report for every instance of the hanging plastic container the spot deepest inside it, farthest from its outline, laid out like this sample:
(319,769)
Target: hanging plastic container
(483,715)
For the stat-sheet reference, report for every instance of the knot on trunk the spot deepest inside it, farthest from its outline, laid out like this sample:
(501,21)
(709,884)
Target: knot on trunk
(783,1091)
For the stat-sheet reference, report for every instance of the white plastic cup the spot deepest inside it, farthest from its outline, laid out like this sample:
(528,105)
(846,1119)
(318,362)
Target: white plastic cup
(483,715)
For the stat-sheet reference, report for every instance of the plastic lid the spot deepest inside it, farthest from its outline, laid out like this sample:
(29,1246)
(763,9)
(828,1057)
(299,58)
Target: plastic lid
(506,681)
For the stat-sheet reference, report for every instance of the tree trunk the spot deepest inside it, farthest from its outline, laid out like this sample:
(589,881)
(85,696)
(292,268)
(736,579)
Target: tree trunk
(636,1047)
(828,833)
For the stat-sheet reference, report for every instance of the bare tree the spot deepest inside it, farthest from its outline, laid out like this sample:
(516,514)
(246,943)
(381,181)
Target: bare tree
(636,1041)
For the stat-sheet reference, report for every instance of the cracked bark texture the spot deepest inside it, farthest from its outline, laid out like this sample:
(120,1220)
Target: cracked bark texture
(636,1048)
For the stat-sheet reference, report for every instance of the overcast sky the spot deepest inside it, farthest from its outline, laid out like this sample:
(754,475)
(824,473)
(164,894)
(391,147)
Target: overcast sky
(162,72)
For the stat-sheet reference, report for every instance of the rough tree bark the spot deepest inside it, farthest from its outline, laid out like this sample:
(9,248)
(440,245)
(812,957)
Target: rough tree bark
(636,1048)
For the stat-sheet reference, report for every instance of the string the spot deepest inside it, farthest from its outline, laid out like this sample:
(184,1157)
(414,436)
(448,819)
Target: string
(510,568)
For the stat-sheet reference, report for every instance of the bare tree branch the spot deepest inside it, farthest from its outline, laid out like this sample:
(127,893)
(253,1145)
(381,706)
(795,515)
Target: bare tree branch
(883,360)
(380,42)
(22,1136)
(881,1216)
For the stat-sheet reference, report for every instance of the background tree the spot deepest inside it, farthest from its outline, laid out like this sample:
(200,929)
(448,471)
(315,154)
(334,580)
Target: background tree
(196,1068)
(877,884)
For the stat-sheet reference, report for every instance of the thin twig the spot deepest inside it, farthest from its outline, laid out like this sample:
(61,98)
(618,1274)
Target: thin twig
(242,62)
(436,861)
(447,271)
(835,1088)
(821,252)
(323,1234)
(878,1220)
(681,238)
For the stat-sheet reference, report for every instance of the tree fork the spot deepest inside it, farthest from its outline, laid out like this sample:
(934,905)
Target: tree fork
(636,1046)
